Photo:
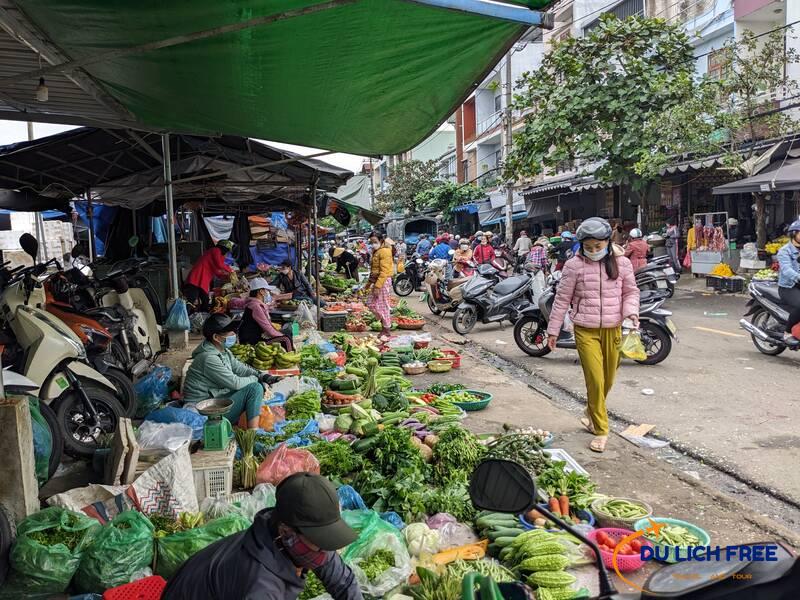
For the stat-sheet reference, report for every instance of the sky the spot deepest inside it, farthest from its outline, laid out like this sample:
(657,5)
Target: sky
(17,131)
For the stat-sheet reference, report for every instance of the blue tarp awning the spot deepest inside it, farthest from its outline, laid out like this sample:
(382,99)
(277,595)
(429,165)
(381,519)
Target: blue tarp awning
(46,214)
(470,208)
(514,217)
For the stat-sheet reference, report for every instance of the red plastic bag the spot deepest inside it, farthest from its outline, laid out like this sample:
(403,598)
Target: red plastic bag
(283,461)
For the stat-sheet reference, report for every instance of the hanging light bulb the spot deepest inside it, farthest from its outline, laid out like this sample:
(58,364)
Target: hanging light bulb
(42,93)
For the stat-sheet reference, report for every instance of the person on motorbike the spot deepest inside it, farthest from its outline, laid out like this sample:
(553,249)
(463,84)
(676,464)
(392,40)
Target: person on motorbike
(636,249)
(441,249)
(494,241)
(565,249)
(211,264)
(461,258)
(789,281)
(600,287)
(483,252)
(380,281)
(522,246)
(476,239)
(537,257)
(256,323)
(216,373)
(424,245)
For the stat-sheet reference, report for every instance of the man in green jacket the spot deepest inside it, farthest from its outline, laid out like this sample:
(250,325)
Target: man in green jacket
(216,373)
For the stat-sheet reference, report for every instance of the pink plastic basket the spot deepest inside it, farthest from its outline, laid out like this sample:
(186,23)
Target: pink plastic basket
(625,562)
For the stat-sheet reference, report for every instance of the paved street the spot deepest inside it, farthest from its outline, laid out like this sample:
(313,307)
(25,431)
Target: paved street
(715,394)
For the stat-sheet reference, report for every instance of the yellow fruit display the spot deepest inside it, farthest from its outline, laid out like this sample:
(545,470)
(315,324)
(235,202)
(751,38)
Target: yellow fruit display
(722,270)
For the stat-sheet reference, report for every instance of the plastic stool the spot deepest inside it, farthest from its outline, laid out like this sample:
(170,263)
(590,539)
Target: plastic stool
(149,588)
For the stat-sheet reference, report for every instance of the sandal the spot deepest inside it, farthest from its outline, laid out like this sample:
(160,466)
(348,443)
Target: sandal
(588,425)
(599,443)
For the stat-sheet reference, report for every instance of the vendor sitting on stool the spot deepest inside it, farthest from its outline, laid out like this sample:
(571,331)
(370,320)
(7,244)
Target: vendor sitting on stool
(256,324)
(216,373)
(294,284)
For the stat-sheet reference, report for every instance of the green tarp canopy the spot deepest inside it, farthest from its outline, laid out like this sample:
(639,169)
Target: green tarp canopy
(361,76)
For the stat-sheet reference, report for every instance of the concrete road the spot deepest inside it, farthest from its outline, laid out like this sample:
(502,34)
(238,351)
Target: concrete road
(715,395)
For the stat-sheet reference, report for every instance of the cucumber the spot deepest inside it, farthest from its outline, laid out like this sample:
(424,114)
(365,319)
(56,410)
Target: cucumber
(504,532)
(502,542)
(494,522)
(364,445)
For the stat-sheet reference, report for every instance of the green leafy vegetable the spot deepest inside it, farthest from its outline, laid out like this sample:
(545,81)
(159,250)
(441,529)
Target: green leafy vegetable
(377,563)
(456,455)
(304,405)
(313,587)
(336,459)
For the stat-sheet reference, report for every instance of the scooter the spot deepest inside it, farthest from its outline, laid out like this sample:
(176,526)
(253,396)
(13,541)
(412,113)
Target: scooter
(47,352)
(768,319)
(492,302)
(409,280)
(443,295)
(655,326)
(505,486)
(657,274)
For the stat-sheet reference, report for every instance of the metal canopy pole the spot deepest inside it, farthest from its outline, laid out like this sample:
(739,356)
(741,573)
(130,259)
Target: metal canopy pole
(90,219)
(173,253)
(316,249)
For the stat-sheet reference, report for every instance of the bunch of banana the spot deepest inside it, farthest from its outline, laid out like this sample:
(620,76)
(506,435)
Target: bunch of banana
(244,352)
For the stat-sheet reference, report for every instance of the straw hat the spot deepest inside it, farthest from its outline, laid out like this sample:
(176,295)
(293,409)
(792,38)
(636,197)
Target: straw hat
(337,252)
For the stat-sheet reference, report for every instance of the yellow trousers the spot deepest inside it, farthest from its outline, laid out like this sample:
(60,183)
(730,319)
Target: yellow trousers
(598,350)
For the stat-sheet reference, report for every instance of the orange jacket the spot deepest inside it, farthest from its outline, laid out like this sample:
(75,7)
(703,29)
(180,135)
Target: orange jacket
(381,266)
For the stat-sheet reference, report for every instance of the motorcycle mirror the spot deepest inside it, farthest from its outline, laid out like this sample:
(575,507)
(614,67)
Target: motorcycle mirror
(451,252)
(502,486)
(30,245)
(133,241)
(77,251)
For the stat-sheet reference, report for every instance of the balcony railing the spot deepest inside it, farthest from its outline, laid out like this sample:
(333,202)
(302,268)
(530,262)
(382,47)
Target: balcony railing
(492,120)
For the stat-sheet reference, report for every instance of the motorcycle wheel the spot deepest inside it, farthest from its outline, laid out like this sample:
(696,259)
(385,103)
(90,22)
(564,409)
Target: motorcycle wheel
(81,439)
(464,320)
(57,447)
(117,351)
(670,291)
(657,343)
(432,305)
(403,285)
(762,320)
(530,334)
(124,386)
(8,535)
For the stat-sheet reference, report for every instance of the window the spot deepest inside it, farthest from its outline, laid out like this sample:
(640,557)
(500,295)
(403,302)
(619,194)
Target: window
(627,8)
(498,103)
(465,169)
(717,64)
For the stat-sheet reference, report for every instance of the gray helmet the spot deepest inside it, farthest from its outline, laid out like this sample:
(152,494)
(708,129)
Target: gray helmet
(635,233)
(794,227)
(594,228)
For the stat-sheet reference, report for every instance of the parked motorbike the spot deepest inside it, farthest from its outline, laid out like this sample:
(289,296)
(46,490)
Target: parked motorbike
(657,274)
(411,279)
(768,319)
(491,302)
(41,347)
(505,486)
(655,326)
(503,261)
(443,295)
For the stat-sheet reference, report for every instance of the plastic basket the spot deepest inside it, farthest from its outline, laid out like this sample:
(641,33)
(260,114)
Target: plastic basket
(714,282)
(149,588)
(415,370)
(333,322)
(453,356)
(606,520)
(705,539)
(732,285)
(411,326)
(625,562)
(485,398)
(583,515)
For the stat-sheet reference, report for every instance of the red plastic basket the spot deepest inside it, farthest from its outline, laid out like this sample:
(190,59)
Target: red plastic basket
(149,588)
(625,562)
(453,356)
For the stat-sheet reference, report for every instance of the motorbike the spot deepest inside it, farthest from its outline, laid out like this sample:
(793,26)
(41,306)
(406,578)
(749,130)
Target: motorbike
(655,326)
(42,348)
(492,302)
(502,261)
(768,317)
(443,295)
(409,280)
(505,486)
(657,274)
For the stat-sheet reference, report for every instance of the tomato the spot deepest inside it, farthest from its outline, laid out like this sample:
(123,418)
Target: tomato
(636,544)
(611,542)
(626,549)
(602,538)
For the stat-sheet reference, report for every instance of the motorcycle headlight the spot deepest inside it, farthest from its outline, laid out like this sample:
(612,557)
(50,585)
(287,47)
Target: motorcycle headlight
(95,336)
(418,261)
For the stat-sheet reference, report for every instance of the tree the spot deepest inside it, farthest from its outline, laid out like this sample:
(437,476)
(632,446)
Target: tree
(593,97)
(446,196)
(406,180)
(727,115)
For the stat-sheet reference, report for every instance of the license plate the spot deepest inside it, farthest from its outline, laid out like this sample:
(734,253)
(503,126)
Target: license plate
(671,326)
(662,284)
(669,271)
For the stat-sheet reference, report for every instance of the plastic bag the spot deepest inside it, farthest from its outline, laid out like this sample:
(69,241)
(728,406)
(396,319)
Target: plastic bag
(265,494)
(452,535)
(170,414)
(325,422)
(305,315)
(350,499)
(307,384)
(174,549)
(266,420)
(42,440)
(284,461)
(151,390)
(49,569)
(197,319)
(632,346)
(439,520)
(120,550)
(285,387)
(376,534)
(178,317)
(215,508)
(393,519)
(163,436)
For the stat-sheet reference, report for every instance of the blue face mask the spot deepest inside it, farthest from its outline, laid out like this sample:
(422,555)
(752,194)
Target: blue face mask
(230,340)
(595,256)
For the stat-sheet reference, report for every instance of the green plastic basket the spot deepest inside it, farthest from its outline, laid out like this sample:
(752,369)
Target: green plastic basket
(485,398)
(705,539)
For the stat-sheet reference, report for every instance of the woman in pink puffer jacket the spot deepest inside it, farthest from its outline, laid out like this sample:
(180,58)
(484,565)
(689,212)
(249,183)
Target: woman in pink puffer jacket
(598,283)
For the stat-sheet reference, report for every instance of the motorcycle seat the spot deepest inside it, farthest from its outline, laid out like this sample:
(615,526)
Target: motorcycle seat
(510,285)
(650,267)
(106,313)
(770,291)
(648,296)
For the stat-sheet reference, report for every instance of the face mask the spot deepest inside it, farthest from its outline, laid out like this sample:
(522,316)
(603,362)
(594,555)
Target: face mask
(300,553)
(376,246)
(267,299)
(229,340)
(595,256)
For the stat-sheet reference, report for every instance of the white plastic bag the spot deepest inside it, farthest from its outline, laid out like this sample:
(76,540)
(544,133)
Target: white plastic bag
(163,436)
(326,422)
(286,386)
(306,315)
(452,535)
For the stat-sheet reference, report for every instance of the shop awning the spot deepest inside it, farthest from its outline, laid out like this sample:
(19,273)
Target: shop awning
(361,76)
(356,191)
(780,176)
(470,209)
(502,219)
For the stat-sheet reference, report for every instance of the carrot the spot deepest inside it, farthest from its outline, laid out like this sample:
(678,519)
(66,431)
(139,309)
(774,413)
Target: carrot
(533,514)
(564,501)
(554,505)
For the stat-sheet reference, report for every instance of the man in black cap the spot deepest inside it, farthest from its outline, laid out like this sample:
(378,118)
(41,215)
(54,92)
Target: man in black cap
(269,561)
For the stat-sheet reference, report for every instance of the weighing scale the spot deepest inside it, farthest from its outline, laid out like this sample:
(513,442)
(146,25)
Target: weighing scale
(217,431)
